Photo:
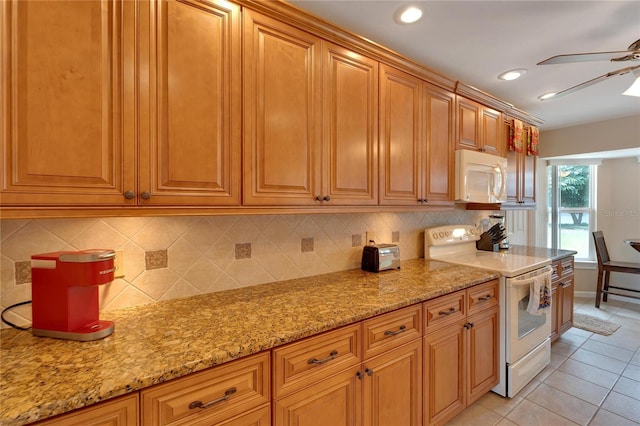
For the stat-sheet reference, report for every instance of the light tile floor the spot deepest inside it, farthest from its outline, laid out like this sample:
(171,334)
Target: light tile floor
(592,379)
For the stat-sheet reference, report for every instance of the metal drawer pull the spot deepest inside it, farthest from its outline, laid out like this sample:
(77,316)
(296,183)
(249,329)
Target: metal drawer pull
(468,325)
(449,312)
(402,329)
(369,372)
(201,405)
(487,297)
(331,356)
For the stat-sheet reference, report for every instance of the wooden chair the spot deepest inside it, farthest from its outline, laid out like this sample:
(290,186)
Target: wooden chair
(606,266)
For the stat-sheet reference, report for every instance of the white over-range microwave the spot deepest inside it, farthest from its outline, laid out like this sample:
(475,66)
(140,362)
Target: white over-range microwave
(480,177)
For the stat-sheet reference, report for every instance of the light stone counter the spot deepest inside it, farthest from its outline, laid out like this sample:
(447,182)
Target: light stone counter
(42,377)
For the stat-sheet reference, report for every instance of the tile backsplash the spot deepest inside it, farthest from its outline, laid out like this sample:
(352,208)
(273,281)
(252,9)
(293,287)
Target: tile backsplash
(172,257)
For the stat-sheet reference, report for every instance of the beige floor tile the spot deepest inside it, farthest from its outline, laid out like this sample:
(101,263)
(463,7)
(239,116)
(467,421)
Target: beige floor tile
(574,339)
(600,361)
(498,404)
(606,418)
(632,372)
(628,387)
(602,348)
(577,387)
(561,347)
(623,338)
(556,359)
(636,359)
(563,404)
(622,405)
(527,413)
(529,388)
(589,373)
(475,415)
(506,422)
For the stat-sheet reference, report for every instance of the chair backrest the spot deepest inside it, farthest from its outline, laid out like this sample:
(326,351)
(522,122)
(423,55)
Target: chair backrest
(601,247)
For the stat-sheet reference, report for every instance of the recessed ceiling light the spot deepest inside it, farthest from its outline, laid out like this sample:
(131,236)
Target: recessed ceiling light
(512,74)
(546,96)
(410,15)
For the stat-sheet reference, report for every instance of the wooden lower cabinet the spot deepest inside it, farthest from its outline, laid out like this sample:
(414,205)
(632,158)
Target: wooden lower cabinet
(461,357)
(334,401)
(393,387)
(562,288)
(122,411)
(216,396)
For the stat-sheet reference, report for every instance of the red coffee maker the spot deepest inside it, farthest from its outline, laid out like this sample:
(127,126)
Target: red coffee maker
(64,293)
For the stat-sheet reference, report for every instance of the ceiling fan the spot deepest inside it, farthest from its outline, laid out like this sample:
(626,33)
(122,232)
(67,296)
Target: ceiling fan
(632,54)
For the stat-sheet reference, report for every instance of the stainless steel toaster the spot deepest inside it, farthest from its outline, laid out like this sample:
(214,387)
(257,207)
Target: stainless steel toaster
(380,257)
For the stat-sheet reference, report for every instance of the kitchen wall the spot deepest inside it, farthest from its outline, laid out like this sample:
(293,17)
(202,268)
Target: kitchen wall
(618,189)
(172,257)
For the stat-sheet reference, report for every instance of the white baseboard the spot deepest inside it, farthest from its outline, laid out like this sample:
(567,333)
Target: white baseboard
(592,295)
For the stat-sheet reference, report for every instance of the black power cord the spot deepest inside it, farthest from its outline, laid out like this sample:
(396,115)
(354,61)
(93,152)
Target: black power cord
(4,320)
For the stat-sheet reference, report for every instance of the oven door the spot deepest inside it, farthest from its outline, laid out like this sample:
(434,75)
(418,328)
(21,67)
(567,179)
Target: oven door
(524,331)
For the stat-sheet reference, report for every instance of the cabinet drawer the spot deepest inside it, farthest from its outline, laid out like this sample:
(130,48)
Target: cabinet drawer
(444,310)
(566,267)
(302,363)
(391,330)
(210,396)
(121,411)
(482,296)
(556,271)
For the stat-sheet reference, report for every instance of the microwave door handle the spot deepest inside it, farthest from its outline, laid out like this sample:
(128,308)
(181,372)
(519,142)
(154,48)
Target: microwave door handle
(503,182)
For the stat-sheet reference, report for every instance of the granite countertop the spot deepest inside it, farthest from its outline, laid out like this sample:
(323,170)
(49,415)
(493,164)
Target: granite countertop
(42,377)
(550,253)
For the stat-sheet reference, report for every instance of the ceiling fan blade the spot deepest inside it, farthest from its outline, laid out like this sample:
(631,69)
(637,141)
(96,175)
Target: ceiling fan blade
(618,56)
(591,82)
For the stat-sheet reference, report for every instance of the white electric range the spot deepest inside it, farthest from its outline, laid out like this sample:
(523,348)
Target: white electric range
(525,346)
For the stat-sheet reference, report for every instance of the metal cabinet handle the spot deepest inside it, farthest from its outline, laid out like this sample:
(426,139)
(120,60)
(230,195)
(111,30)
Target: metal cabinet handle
(468,325)
(203,405)
(359,375)
(129,195)
(321,198)
(402,329)
(565,284)
(331,356)
(485,298)
(449,312)
(145,195)
(369,371)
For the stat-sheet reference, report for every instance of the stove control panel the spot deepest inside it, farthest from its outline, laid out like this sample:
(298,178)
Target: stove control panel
(451,234)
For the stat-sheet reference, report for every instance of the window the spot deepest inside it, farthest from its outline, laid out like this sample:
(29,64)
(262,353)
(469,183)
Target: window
(572,203)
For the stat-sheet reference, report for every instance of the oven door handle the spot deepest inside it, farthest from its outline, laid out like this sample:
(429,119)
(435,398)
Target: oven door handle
(517,282)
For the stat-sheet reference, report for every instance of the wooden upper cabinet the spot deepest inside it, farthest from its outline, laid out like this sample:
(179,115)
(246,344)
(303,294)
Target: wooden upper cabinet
(439,134)
(479,127)
(521,177)
(190,116)
(282,99)
(68,102)
(416,140)
(400,137)
(350,127)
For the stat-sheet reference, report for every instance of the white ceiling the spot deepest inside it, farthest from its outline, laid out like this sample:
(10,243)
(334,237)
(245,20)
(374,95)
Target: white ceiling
(474,41)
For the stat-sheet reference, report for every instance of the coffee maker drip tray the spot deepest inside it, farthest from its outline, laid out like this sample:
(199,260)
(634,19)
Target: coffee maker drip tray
(93,331)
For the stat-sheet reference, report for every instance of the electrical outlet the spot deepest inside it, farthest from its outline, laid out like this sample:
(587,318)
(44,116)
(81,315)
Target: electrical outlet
(118,265)
(370,236)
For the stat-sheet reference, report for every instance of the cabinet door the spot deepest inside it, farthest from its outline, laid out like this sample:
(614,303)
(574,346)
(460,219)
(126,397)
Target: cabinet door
(282,81)
(439,134)
(483,352)
(492,125)
(400,140)
(566,319)
(556,304)
(468,118)
(122,411)
(350,120)
(335,401)
(444,367)
(528,179)
(393,387)
(190,113)
(67,94)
